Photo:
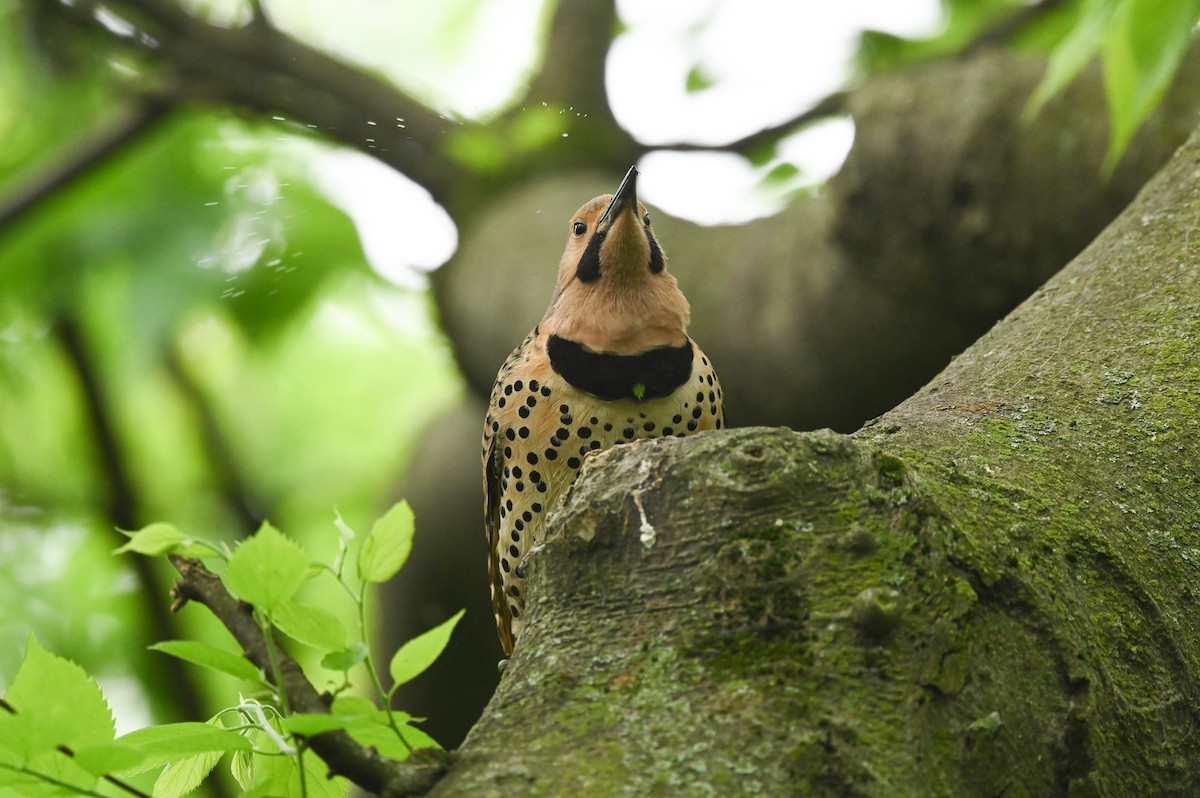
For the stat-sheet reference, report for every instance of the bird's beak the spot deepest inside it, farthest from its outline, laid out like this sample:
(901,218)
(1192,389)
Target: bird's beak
(626,197)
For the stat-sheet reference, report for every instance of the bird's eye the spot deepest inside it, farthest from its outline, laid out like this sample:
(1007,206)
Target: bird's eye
(646,219)
(579,228)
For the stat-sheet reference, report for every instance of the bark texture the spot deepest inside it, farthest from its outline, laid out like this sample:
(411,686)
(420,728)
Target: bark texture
(949,211)
(991,590)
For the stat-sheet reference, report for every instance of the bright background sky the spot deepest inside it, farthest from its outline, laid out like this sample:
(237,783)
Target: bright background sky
(761,74)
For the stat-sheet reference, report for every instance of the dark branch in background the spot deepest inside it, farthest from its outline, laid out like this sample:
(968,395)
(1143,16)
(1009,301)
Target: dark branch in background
(223,464)
(138,117)
(573,65)
(260,67)
(123,513)
(341,753)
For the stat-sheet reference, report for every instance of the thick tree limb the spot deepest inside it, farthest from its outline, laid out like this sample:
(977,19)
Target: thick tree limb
(989,591)
(341,753)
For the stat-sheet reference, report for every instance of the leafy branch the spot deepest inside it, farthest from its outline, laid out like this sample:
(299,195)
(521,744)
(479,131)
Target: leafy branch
(291,739)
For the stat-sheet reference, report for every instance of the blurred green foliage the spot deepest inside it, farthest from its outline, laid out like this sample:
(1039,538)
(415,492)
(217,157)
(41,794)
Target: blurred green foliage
(249,361)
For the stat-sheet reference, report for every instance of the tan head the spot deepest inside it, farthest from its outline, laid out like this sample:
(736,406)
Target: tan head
(614,293)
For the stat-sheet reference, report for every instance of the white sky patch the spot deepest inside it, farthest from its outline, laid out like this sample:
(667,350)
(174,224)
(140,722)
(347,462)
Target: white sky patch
(723,188)
(820,148)
(469,56)
(403,231)
(703,187)
(765,62)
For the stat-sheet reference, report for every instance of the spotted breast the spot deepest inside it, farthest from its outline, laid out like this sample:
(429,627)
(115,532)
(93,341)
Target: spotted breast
(609,363)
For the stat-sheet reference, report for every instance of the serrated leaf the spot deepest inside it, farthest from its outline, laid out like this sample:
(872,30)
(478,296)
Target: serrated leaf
(56,703)
(345,659)
(153,540)
(52,766)
(177,740)
(267,569)
(388,545)
(415,656)
(205,655)
(180,778)
(383,738)
(313,626)
(1145,43)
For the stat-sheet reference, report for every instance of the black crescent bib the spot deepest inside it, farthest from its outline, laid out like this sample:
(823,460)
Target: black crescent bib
(650,375)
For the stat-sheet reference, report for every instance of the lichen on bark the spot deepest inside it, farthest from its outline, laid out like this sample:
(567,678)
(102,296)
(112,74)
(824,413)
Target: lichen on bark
(988,591)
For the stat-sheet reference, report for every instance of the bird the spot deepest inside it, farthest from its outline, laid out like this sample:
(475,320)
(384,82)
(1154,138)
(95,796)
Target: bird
(610,363)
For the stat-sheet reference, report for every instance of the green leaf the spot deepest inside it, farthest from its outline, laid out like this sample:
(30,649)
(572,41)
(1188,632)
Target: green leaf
(1145,43)
(1073,53)
(698,79)
(419,653)
(310,724)
(345,659)
(49,765)
(205,655)
(174,741)
(387,546)
(354,706)
(313,626)
(154,540)
(267,569)
(56,703)
(110,758)
(180,778)
(382,737)
(263,774)
(317,783)
(784,172)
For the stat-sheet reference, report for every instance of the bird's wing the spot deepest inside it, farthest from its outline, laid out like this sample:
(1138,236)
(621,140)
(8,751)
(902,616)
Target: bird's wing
(491,491)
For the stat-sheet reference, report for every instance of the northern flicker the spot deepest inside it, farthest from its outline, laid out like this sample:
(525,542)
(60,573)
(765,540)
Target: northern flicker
(610,363)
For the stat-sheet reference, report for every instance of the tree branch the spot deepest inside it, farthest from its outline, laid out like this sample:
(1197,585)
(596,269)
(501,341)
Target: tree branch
(572,71)
(231,481)
(122,510)
(260,67)
(137,118)
(345,757)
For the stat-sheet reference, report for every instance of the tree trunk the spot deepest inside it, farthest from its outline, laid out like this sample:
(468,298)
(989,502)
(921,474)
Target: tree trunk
(991,590)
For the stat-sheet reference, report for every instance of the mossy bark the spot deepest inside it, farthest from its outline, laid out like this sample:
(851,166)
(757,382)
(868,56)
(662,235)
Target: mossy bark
(949,212)
(991,590)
